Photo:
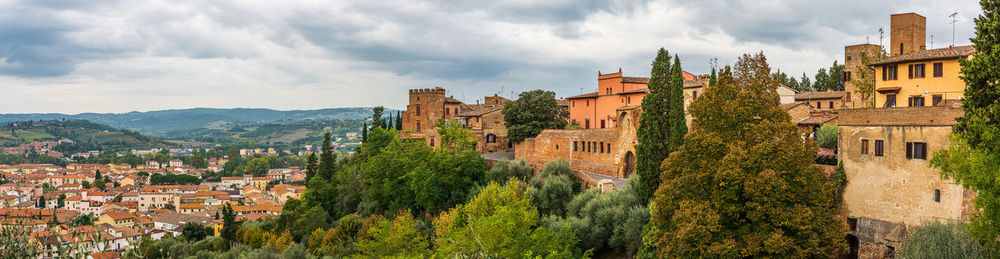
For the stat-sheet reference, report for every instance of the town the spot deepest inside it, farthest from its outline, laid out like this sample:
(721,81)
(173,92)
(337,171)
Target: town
(866,161)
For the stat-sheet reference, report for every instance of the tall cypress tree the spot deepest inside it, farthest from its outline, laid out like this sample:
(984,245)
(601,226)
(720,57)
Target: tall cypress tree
(97,174)
(311,166)
(677,119)
(713,78)
(327,160)
(399,120)
(389,123)
(654,125)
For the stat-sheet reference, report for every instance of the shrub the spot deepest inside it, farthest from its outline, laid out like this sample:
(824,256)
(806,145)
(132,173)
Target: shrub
(826,137)
(940,240)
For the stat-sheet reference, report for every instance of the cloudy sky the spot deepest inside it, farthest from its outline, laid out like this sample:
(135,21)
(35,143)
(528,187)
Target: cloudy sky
(124,55)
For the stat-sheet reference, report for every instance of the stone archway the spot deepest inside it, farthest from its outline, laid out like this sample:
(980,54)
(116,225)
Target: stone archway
(629,163)
(853,244)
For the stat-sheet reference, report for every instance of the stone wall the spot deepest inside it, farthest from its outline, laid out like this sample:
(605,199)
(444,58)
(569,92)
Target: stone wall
(609,152)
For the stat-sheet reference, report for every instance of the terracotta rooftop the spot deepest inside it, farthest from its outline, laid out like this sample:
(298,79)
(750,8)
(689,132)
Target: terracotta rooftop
(594,94)
(819,95)
(480,111)
(930,54)
(635,80)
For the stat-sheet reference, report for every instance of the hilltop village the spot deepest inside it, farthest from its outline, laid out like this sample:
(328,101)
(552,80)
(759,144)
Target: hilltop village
(886,131)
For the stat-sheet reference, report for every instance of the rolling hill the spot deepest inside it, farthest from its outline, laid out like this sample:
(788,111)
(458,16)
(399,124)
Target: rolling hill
(158,123)
(86,135)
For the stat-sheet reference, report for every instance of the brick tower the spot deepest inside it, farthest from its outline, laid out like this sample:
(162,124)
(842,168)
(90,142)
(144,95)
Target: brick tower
(907,34)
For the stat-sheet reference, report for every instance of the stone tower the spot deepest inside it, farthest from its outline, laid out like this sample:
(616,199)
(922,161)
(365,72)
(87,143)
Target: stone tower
(907,33)
(425,108)
(852,62)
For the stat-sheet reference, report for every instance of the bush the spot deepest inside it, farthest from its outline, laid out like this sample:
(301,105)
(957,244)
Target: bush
(613,220)
(503,170)
(940,240)
(826,137)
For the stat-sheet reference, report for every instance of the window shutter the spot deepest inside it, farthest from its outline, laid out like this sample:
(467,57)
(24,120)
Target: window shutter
(911,71)
(909,150)
(884,70)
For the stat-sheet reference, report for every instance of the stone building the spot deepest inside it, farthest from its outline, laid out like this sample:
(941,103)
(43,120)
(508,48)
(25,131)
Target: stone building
(891,188)
(599,109)
(428,106)
(852,62)
(593,154)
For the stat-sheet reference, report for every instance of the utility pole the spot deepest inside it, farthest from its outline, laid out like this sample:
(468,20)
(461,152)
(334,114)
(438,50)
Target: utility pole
(954,20)
(881,33)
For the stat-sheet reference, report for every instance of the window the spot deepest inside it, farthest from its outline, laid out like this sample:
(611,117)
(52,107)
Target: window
(936,100)
(864,146)
(418,110)
(901,48)
(879,147)
(918,71)
(847,76)
(447,111)
(575,149)
(938,69)
(595,146)
(937,195)
(889,72)
(456,111)
(490,138)
(916,101)
(609,147)
(831,105)
(694,95)
(588,103)
(819,105)
(916,150)
(586,124)
(574,103)
(418,126)
(602,124)
(602,147)
(890,100)
(848,58)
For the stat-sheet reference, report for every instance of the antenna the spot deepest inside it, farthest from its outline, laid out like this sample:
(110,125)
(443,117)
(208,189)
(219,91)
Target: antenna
(932,42)
(868,40)
(881,34)
(954,20)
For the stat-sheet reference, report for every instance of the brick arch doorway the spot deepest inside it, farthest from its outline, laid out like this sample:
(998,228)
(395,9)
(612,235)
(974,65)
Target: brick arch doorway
(629,163)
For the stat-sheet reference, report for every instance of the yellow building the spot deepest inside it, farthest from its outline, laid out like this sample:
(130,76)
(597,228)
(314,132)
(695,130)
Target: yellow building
(891,188)
(119,219)
(922,78)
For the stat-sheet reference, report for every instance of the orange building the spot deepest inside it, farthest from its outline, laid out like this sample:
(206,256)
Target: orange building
(598,110)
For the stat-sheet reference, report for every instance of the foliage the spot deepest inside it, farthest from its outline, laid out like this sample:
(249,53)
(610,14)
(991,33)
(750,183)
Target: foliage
(340,241)
(662,125)
(863,78)
(553,188)
(455,137)
(531,113)
(826,136)
(327,159)
(499,222)
(15,242)
(972,158)
(940,240)
(312,166)
(614,220)
(194,232)
(158,179)
(83,220)
(503,170)
(229,224)
(198,161)
(258,167)
(399,237)
(743,183)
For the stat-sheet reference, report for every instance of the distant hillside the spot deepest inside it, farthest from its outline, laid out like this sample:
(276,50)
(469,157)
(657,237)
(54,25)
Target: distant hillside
(278,133)
(86,135)
(159,123)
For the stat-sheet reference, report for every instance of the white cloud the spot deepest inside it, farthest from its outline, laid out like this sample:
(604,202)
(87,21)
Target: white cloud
(118,56)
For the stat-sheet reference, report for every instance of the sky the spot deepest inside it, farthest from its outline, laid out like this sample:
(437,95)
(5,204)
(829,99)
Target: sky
(115,56)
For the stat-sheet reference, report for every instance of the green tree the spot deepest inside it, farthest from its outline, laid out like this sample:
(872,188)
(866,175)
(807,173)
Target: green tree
(399,120)
(826,136)
(821,80)
(229,224)
(99,184)
(97,174)
(553,188)
(713,78)
(377,120)
(193,232)
(940,240)
(835,77)
(613,220)
(61,200)
(85,185)
(454,137)
(662,124)
(41,202)
(805,84)
(744,184)
(198,161)
(258,166)
(327,159)
(531,113)
(364,131)
(399,237)
(504,170)
(499,222)
(312,166)
(973,157)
